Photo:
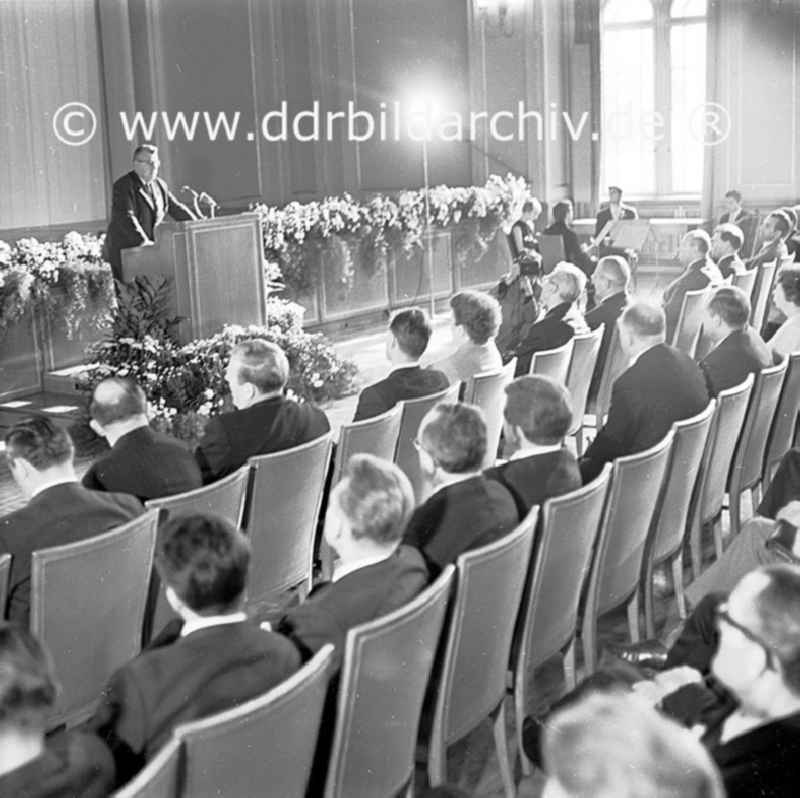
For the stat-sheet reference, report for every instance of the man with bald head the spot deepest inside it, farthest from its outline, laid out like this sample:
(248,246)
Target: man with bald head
(142,462)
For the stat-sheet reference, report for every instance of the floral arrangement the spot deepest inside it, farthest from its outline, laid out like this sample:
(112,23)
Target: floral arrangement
(185,385)
(295,235)
(62,280)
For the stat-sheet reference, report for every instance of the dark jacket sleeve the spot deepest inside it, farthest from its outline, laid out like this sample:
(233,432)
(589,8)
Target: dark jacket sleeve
(370,404)
(213,452)
(613,439)
(711,375)
(123,210)
(309,626)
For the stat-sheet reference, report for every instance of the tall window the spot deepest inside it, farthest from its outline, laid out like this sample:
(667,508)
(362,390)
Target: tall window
(653,64)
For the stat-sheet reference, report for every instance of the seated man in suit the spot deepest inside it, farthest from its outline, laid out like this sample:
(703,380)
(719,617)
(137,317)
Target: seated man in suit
(142,462)
(611,279)
(738,348)
(560,292)
(785,485)
(219,658)
(734,212)
(536,418)
(613,210)
(464,509)
(406,341)
(700,271)
(59,510)
(375,574)
(574,252)
(725,245)
(661,386)
(64,765)
(264,421)
(775,228)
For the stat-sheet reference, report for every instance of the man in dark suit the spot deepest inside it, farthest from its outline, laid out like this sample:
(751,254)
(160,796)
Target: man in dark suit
(367,515)
(738,348)
(142,462)
(218,659)
(464,509)
(700,271)
(406,341)
(611,279)
(536,419)
(560,293)
(562,226)
(265,420)
(661,386)
(774,229)
(734,212)
(725,245)
(785,485)
(139,203)
(59,510)
(614,210)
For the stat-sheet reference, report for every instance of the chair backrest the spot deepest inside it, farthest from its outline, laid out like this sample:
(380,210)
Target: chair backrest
(225,498)
(783,426)
(282,515)
(761,294)
(669,528)
(5,572)
(487,391)
(615,364)
(270,740)
(552,248)
(88,600)
(161,776)
(412,412)
(386,668)
(376,436)
(746,281)
(585,350)
(633,501)
(553,363)
(488,595)
(690,321)
(726,427)
(566,540)
(748,460)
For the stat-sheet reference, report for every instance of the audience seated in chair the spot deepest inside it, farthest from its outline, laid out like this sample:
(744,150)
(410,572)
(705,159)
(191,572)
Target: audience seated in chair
(264,421)
(375,574)
(212,659)
(738,349)
(786,297)
(774,229)
(562,226)
(613,745)
(464,509)
(725,245)
(785,486)
(661,386)
(699,272)
(142,462)
(406,341)
(518,294)
(536,419)
(64,765)
(560,291)
(476,320)
(59,510)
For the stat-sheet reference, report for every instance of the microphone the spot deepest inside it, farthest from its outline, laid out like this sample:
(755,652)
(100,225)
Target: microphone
(189,190)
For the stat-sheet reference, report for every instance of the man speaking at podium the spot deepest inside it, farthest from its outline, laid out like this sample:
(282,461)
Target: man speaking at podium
(140,202)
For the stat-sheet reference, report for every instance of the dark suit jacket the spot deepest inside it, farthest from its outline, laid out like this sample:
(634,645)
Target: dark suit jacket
(265,427)
(333,608)
(730,264)
(572,247)
(134,216)
(406,382)
(548,333)
(73,765)
(207,671)
(534,479)
(607,312)
(604,216)
(461,517)
(774,251)
(728,364)
(147,464)
(662,387)
(61,514)
(697,275)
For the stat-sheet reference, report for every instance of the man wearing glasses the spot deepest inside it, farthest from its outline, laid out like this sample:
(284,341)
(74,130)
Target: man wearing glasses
(140,202)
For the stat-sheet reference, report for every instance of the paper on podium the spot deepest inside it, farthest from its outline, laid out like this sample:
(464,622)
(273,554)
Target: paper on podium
(630,233)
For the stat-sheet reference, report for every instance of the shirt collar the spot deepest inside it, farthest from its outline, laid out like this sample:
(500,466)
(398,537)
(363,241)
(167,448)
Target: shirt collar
(534,448)
(206,622)
(52,484)
(343,569)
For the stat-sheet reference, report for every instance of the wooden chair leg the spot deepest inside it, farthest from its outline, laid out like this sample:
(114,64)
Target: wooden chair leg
(734,513)
(501,747)
(649,603)
(696,547)
(519,717)
(677,583)
(437,761)
(589,641)
(633,617)
(755,498)
(719,548)
(569,665)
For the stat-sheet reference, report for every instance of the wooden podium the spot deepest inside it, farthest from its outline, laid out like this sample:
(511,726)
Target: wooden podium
(215,267)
